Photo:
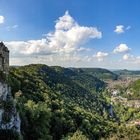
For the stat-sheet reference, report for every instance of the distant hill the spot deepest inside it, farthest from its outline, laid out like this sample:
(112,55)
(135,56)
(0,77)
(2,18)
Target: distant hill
(134,89)
(100,73)
(126,72)
(82,78)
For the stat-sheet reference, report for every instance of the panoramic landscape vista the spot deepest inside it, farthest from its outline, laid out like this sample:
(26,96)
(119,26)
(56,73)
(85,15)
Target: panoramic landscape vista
(69,70)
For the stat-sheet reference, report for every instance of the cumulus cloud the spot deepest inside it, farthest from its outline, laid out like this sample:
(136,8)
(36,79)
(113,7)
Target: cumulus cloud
(131,58)
(65,22)
(121,49)
(137,60)
(25,48)
(100,55)
(119,29)
(68,37)
(2,19)
(128,57)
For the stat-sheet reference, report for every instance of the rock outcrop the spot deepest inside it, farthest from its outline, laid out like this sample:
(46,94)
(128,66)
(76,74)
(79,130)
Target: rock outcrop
(9,118)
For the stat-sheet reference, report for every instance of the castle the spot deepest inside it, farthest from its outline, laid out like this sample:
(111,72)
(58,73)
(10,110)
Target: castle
(4,58)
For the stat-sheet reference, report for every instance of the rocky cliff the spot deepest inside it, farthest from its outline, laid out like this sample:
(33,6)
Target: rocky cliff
(9,118)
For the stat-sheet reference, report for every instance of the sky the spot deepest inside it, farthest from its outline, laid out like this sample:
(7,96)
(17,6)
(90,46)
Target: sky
(72,33)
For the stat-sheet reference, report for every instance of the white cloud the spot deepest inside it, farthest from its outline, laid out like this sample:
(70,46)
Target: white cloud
(131,58)
(137,60)
(2,19)
(119,29)
(65,22)
(68,38)
(128,57)
(69,35)
(100,55)
(18,48)
(121,48)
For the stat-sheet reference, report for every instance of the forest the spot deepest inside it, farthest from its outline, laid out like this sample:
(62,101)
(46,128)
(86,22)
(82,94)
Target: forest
(56,103)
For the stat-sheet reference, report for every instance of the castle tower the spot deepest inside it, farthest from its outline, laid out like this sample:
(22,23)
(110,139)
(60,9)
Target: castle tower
(4,58)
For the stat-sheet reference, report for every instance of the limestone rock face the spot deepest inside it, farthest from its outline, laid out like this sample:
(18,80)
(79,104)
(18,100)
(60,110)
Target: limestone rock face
(4,91)
(4,58)
(9,118)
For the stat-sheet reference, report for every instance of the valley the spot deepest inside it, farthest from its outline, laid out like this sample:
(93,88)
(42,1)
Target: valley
(69,70)
(121,94)
(64,103)
(91,103)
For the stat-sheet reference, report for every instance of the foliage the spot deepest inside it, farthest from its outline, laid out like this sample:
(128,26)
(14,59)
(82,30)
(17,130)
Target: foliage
(9,135)
(102,74)
(78,136)
(134,89)
(62,103)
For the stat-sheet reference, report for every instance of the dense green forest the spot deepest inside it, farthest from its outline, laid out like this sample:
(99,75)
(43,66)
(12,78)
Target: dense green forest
(100,73)
(57,103)
(134,89)
(126,72)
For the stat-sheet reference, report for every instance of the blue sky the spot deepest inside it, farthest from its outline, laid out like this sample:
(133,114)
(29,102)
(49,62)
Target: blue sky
(99,33)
